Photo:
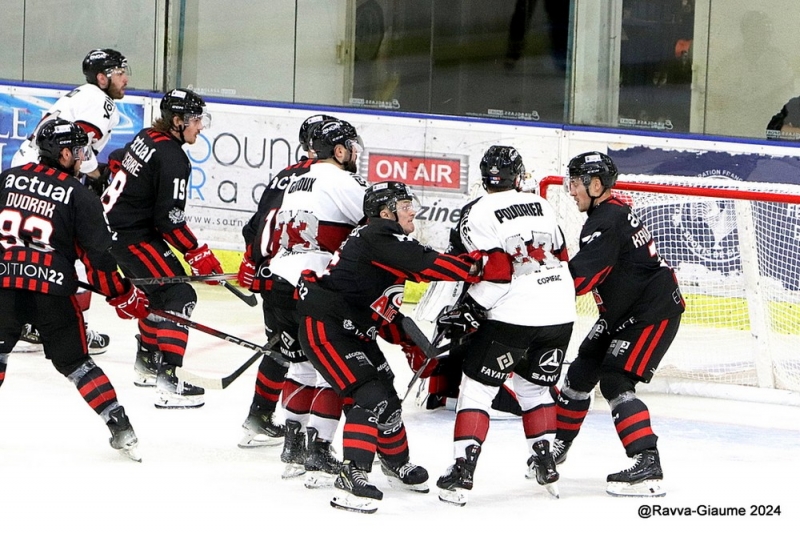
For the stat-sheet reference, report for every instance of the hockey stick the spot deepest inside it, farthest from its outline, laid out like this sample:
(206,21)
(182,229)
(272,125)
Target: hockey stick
(225,381)
(420,340)
(250,299)
(182,279)
(221,335)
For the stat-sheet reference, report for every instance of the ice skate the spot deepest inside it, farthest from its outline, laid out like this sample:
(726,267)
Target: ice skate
(123,438)
(542,467)
(97,342)
(146,365)
(406,476)
(321,465)
(354,493)
(32,341)
(559,449)
(643,479)
(260,430)
(458,480)
(174,392)
(294,450)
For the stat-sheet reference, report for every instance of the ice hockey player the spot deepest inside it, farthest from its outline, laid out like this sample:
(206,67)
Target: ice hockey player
(640,308)
(260,428)
(511,338)
(92,107)
(145,205)
(49,222)
(355,300)
(320,206)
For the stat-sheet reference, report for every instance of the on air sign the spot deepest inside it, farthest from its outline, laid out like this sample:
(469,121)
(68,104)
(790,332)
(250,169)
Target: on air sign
(418,171)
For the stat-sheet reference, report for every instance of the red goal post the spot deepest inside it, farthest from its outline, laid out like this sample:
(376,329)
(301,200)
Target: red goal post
(735,248)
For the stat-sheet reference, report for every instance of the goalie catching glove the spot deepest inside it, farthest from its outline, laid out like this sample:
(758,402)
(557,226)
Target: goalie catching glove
(203,262)
(131,304)
(417,359)
(461,320)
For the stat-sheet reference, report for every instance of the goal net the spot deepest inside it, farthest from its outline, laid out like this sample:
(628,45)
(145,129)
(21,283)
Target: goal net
(735,247)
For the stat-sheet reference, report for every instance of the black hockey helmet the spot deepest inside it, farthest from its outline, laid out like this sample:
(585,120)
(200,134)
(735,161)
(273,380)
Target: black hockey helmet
(57,134)
(589,164)
(186,104)
(305,129)
(385,194)
(501,167)
(325,137)
(103,60)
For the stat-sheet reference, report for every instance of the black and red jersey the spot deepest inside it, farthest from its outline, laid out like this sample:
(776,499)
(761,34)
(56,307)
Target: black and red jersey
(147,195)
(364,282)
(619,263)
(48,220)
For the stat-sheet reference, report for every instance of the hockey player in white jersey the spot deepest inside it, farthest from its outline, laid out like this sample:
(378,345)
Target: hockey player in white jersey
(319,209)
(90,106)
(519,319)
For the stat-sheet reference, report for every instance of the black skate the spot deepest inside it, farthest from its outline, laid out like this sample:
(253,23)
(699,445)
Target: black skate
(260,430)
(354,492)
(560,448)
(406,476)
(146,365)
(458,479)
(174,392)
(643,479)
(542,467)
(294,450)
(33,342)
(321,464)
(122,437)
(97,342)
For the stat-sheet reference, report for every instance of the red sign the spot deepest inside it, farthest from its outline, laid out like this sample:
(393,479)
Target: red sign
(415,171)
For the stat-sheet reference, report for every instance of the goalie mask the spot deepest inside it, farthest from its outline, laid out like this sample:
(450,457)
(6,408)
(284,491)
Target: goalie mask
(385,195)
(502,168)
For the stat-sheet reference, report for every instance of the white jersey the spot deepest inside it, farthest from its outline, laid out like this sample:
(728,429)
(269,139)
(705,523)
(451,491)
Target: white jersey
(318,211)
(89,107)
(524,225)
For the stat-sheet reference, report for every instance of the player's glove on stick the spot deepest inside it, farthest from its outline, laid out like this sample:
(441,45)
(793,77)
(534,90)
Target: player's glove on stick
(247,271)
(131,304)
(203,261)
(416,359)
(461,320)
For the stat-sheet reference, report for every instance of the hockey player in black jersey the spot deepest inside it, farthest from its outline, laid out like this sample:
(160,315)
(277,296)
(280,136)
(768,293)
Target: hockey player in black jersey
(640,308)
(355,300)
(145,208)
(522,319)
(49,221)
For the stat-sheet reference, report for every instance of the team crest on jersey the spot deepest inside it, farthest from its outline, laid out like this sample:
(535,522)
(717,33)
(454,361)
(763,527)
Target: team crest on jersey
(388,304)
(177,216)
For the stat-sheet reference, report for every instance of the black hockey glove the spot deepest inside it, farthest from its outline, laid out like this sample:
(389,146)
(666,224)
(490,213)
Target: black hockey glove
(461,320)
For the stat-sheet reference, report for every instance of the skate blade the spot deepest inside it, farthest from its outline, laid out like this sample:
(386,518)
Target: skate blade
(168,401)
(293,471)
(552,489)
(131,453)
(646,488)
(255,441)
(347,501)
(27,348)
(396,483)
(457,496)
(144,381)
(319,479)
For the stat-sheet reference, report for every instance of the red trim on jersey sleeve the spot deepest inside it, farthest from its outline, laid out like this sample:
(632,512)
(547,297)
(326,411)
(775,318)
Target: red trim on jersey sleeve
(497,267)
(181,238)
(583,284)
(90,128)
